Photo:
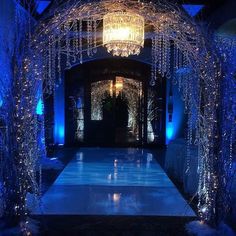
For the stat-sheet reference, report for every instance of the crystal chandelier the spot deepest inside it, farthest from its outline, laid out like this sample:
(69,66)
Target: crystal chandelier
(123,33)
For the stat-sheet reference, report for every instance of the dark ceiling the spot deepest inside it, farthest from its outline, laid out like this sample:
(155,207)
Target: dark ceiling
(209,6)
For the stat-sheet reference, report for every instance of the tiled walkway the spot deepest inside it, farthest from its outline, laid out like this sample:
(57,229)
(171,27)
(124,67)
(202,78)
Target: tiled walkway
(108,181)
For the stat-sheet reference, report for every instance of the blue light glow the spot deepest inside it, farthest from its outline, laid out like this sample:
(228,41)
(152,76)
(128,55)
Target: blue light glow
(174,129)
(40,107)
(169,131)
(59,114)
(42,5)
(192,9)
(1,101)
(61,132)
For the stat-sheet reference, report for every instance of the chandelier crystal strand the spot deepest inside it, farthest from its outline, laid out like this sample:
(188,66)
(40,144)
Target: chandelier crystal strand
(123,33)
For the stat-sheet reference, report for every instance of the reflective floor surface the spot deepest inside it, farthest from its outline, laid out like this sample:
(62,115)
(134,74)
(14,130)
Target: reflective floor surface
(114,181)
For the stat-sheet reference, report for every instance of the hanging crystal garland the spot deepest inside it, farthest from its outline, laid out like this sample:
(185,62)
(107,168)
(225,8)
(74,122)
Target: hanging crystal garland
(80,41)
(168,57)
(59,70)
(154,61)
(161,53)
(75,41)
(89,38)
(49,65)
(188,153)
(95,36)
(67,31)
(44,73)
(53,59)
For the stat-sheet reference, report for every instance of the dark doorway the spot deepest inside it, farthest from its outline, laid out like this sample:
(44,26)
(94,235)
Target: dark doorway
(108,104)
(115,111)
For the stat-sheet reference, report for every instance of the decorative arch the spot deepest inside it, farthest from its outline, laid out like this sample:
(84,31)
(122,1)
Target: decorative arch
(58,42)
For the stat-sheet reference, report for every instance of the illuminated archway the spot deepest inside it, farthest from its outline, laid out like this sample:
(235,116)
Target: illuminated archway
(57,43)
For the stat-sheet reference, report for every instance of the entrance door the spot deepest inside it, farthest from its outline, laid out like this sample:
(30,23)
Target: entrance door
(116,107)
(97,94)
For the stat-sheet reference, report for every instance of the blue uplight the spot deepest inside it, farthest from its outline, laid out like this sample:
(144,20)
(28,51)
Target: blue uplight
(60,135)
(169,131)
(61,132)
(59,114)
(192,9)
(42,5)
(174,127)
(40,107)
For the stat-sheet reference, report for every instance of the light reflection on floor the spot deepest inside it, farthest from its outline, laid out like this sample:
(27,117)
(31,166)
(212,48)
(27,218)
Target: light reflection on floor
(103,181)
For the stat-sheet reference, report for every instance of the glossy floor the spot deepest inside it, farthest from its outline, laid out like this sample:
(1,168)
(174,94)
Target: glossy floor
(113,181)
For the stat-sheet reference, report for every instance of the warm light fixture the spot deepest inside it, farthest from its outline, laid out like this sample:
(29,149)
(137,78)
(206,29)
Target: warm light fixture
(123,33)
(118,86)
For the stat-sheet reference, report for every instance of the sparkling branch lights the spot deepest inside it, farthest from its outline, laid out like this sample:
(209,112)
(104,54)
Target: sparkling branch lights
(61,40)
(123,33)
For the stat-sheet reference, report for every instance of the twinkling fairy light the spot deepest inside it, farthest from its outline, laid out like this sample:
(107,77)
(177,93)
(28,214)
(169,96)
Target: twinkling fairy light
(55,46)
(20,137)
